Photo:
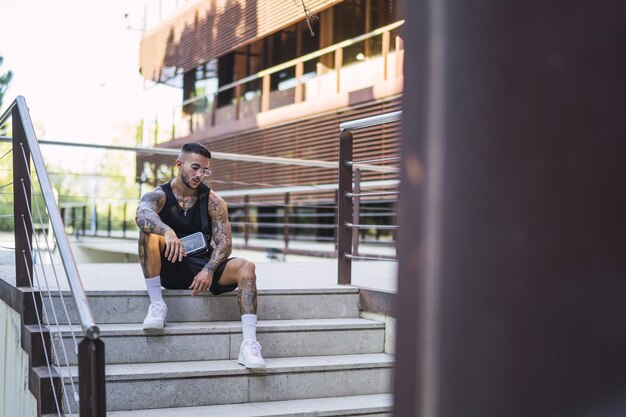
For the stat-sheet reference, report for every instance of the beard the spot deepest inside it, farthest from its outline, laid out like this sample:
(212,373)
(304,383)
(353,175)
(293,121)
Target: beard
(189,181)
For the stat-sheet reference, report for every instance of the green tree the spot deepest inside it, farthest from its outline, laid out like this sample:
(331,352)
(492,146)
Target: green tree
(5,79)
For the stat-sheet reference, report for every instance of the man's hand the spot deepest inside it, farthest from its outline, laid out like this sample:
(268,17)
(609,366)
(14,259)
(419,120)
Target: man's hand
(201,282)
(174,250)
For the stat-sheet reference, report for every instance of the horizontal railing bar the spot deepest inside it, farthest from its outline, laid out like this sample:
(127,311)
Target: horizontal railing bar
(292,237)
(281,215)
(378,214)
(371,226)
(352,195)
(277,205)
(87,320)
(291,225)
(371,121)
(385,168)
(317,215)
(369,258)
(304,188)
(369,161)
(7,113)
(378,242)
(309,238)
(219,155)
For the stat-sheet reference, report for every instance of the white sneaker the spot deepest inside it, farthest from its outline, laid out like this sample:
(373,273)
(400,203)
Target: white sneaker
(156,316)
(250,355)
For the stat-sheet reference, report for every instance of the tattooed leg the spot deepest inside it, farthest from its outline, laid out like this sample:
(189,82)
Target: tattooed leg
(150,248)
(246,295)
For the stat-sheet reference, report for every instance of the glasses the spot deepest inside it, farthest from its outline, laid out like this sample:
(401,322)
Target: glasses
(204,171)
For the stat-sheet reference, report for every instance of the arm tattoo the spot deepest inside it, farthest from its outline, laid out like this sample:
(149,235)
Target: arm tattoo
(218,212)
(147,217)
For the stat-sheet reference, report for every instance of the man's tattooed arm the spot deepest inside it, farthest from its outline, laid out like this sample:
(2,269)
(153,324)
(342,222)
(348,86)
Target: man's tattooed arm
(147,217)
(218,212)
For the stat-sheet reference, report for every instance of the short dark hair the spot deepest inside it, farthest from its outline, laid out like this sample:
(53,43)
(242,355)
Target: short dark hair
(195,147)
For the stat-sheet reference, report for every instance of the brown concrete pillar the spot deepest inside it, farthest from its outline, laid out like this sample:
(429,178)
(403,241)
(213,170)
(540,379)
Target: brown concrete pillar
(512,278)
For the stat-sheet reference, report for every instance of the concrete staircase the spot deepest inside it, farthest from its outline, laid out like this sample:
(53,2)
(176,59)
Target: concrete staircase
(322,359)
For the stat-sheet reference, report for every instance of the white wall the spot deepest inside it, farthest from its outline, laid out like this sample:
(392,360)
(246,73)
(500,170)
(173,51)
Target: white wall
(390,329)
(15,398)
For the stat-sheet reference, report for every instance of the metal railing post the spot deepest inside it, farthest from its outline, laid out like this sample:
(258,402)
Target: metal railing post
(21,201)
(344,211)
(214,110)
(92,393)
(335,217)
(73,217)
(356,212)
(95,220)
(109,222)
(238,102)
(124,220)
(286,223)
(246,219)
(83,221)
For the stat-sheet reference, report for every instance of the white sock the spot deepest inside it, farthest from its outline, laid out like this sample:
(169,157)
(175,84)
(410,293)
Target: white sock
(154,289)
(248,326)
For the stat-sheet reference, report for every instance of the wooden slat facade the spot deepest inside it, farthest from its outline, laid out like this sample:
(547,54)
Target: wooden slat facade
(315,137)
(191,38)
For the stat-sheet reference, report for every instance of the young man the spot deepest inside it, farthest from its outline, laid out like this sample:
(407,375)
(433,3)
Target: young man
(179,208)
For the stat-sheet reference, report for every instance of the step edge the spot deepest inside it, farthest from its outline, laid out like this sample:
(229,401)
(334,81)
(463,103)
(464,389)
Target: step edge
(179,293)
(385,404)
(195,328)
(382,361)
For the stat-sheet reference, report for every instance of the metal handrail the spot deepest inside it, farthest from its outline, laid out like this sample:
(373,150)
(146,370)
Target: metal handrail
(223,155)
(347,236)
(371,121)
(87,321)
(90,351)
(352,195)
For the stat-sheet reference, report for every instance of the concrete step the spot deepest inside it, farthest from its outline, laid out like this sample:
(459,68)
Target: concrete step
(200,383)
(376,405)
(273,304)
(188,341)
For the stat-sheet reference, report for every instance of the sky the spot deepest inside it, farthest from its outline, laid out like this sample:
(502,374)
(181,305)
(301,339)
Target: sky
(77,65)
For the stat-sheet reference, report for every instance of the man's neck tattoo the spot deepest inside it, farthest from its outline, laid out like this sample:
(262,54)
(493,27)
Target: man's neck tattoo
(185,203)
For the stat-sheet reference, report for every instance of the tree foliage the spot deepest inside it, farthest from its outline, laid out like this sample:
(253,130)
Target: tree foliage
(5,79)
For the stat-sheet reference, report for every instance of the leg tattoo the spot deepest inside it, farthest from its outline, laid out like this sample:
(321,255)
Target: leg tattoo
(247,296)
(143,250)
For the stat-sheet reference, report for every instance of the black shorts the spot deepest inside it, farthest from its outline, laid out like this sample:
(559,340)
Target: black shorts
(179,275)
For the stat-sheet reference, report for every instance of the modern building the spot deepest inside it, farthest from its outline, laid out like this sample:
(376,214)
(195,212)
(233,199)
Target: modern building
(276,78)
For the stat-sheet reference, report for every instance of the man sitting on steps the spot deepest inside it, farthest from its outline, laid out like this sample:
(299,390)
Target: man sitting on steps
(177,209)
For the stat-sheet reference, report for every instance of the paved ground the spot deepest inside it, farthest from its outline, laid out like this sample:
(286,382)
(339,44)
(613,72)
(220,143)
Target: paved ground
(293,272)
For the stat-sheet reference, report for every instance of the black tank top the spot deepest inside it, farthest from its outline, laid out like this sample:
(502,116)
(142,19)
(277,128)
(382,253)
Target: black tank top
(186,223)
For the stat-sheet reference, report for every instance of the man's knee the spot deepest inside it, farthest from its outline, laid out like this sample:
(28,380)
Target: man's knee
(247,269)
